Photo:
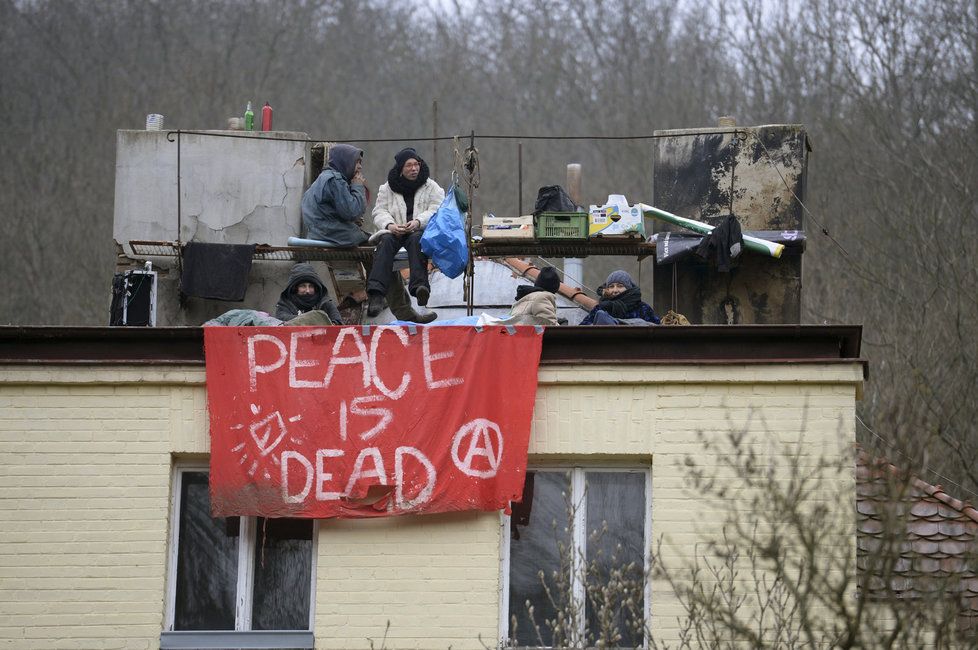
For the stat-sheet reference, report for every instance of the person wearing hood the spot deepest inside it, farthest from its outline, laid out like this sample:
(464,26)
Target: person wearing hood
(620,304)
(333,206)
(305,292)
(332,212)
(536,304)
(404,204)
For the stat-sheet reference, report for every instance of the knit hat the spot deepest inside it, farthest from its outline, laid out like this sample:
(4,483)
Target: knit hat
(548,279)
(621,277)
(404,155)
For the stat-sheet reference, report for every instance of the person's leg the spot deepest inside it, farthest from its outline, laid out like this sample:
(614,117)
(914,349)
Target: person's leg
(400,302)
(601,317)
(314,317)
(378,281)
(418,284)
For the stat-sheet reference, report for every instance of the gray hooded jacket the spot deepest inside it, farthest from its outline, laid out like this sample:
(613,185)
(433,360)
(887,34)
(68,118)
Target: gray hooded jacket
(332,206)
(289,306)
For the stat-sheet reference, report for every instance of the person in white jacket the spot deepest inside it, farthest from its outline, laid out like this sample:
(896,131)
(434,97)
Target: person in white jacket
(536,304)
(404,204)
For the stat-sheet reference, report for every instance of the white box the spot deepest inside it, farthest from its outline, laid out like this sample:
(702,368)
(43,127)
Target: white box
(615,218)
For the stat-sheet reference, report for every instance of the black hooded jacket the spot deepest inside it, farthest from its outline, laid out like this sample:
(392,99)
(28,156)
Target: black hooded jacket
(290,304)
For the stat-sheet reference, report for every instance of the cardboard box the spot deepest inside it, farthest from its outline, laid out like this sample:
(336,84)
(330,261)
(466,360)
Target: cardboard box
(507,227)
(615,219)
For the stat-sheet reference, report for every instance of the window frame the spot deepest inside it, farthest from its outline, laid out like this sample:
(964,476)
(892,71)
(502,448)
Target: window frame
(243,636)
(578,476)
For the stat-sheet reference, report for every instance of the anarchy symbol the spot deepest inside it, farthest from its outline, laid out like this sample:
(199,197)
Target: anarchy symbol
(484,439)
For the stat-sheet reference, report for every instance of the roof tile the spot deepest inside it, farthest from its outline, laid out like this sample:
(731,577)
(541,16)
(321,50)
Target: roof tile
(938,552)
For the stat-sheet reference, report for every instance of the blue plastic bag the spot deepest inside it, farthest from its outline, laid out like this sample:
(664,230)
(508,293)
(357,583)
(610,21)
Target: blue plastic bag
(444,238)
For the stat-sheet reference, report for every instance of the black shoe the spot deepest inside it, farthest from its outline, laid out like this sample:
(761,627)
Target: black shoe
(422,294)
(375,304)
(424,318)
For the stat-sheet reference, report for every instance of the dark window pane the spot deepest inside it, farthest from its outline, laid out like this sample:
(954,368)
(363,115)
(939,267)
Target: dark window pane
(542,543)
(615,565)
(283,574)
(207,561)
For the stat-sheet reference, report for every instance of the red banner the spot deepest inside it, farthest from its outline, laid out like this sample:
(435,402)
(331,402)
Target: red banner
(368,422)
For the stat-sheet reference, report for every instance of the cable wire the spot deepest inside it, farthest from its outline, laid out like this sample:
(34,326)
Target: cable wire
(825,231)
(428,138)
(580,283)
(913,461)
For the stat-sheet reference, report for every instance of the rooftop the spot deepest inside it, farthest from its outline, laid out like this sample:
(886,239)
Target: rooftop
(706,344)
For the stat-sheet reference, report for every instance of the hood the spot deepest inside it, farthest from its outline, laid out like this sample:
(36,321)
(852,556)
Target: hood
(303,273)
(343,158)
(523,290)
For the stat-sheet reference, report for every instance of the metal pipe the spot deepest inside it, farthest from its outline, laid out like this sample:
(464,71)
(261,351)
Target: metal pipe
(755,244)
(434,134)
(574,266)
(470,298)
(179,192)
(519,179)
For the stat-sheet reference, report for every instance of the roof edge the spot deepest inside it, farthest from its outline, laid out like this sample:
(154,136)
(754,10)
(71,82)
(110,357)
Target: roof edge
(689,343)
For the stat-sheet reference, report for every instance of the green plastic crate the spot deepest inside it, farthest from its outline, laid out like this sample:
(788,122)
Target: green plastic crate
(561,225)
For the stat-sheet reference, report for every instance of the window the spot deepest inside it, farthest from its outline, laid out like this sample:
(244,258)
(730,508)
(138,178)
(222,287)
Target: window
(244,576)
(575,559)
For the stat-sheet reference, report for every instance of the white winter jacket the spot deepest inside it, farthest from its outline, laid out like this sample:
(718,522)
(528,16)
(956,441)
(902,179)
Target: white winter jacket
(536,308)
(390,207)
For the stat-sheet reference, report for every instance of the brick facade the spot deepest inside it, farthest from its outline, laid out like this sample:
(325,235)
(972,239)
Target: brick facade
(86,459)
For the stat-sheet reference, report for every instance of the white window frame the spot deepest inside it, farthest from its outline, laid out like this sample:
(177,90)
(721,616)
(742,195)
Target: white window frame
(243,590)
(577,482)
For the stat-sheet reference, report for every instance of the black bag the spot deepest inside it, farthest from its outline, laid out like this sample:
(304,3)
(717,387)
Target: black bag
(553,198)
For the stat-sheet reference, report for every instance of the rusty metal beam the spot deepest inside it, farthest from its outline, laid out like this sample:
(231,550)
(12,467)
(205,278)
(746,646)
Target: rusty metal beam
(709,344)
(102,345)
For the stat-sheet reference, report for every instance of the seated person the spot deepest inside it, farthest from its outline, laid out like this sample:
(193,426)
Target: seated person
(404,204)
(305,292)
(537,304)
(332,212)
(333,206)
(620,304)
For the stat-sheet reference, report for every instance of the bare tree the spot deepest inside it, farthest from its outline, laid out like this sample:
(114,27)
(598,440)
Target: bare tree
(783,573)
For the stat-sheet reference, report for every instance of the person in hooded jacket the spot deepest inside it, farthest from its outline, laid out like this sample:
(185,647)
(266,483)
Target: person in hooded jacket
(332,212)
(304,293)
(620,304)
(536,304)
(333,206)
(404,204)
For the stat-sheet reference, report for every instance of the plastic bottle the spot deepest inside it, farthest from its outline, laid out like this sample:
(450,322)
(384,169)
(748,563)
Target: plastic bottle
(249,118)
(266,117)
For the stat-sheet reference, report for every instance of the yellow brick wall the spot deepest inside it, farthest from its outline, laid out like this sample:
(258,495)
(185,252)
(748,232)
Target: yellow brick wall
(85,465)
(84,503)
(434,578)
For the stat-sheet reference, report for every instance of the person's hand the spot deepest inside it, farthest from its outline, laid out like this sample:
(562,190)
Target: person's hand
(358,178)
(395,229)
(412,225)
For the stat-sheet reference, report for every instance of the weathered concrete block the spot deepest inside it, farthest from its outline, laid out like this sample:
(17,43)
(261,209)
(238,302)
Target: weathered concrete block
(241,190)
(755,173)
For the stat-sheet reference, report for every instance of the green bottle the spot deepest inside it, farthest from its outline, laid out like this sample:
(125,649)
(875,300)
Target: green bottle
(249,118)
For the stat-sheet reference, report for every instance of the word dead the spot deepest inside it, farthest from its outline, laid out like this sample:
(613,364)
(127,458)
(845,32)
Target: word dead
(317,478)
